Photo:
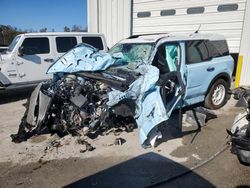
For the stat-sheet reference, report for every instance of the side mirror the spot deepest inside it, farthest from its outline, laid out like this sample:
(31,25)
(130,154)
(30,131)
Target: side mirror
(21,51)
(26,51)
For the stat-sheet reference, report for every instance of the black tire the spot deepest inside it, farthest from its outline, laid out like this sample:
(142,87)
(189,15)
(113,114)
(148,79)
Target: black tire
(210,100)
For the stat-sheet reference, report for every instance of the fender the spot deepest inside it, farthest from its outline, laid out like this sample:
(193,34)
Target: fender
(4,81)
(225,76)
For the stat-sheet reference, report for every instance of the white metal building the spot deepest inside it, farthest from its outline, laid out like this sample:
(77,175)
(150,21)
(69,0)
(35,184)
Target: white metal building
(118,19)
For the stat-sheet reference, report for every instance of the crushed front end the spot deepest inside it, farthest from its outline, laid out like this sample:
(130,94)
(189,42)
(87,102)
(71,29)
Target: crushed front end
(94,92)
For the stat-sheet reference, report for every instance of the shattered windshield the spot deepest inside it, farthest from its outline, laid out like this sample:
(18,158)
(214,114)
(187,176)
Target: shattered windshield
(13,43)
(133,51)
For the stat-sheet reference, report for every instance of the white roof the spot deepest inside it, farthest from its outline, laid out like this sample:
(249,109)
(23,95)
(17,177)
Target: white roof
(61,33)
(173,37)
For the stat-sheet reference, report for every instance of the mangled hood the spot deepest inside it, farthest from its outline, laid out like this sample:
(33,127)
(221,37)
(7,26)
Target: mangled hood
(82,58)
(150,110)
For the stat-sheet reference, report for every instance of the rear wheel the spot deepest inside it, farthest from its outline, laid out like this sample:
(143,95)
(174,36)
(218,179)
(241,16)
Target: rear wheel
(217,95)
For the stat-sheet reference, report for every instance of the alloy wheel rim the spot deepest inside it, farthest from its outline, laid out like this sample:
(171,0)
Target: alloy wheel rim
(218,94)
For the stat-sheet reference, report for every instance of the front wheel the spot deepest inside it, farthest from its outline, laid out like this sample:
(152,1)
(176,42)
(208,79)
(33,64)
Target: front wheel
(217,95)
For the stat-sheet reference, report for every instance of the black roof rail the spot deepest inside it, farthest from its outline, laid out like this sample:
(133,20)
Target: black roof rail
(136,36)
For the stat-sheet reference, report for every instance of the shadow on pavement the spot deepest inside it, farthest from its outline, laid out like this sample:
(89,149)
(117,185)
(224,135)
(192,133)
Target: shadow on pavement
(173,128)
(12,95)
(147,170)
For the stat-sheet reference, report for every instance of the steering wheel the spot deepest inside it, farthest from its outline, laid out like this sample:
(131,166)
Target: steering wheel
(168,85)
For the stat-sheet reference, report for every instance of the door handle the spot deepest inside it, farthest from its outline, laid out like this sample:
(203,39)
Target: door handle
(210,69)
(49,60)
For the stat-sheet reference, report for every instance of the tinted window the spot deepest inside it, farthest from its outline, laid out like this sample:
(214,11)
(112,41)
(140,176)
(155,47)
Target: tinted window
(143,14)
(227,7)
(217,48)
(196,52)
(195,10)
(93,41)
(36,45)
(64,44)
(169,12)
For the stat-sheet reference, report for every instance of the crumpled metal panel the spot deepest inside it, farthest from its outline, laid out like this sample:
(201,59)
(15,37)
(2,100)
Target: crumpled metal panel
(44,103)
(82,58)
(150,110)
(239,122)
(31,118)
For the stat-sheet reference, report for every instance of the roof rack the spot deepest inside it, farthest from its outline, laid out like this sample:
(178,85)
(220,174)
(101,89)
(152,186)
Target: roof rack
(136,36)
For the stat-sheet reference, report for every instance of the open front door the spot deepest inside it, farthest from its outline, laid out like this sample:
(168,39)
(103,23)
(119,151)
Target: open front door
(172,90)
(169,91)
(168,61)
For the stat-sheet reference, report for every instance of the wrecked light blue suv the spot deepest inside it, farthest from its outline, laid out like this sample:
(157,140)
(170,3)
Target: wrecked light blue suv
(202,60)
(142,78)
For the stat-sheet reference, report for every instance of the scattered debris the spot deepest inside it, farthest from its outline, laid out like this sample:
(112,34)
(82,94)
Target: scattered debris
(199,116)
(19,183)
(196,156)
(55,143)
(88,146)
(119,141)
(37,167)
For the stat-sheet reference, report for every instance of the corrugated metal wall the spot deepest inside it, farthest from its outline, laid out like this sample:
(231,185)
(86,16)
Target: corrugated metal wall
(110,17)
(113,19)
(244,55)
(228,23)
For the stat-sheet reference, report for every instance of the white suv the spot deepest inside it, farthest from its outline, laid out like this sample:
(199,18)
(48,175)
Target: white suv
(29,55)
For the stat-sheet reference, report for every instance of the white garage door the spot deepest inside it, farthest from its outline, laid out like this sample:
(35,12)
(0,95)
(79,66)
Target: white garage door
(217,16)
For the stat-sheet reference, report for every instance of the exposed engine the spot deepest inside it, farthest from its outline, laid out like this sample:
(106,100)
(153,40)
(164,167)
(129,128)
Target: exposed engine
(77,103)
(69,104)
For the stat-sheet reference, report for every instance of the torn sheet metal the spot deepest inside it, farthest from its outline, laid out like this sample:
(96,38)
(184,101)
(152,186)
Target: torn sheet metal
(150,110)
(31,119)
(82,58)
(199,116)
(38,102)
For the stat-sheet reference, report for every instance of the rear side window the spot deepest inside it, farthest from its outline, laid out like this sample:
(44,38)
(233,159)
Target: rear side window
(36,45)
(196,52)
(64,44)
(217,48)
(93,41)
